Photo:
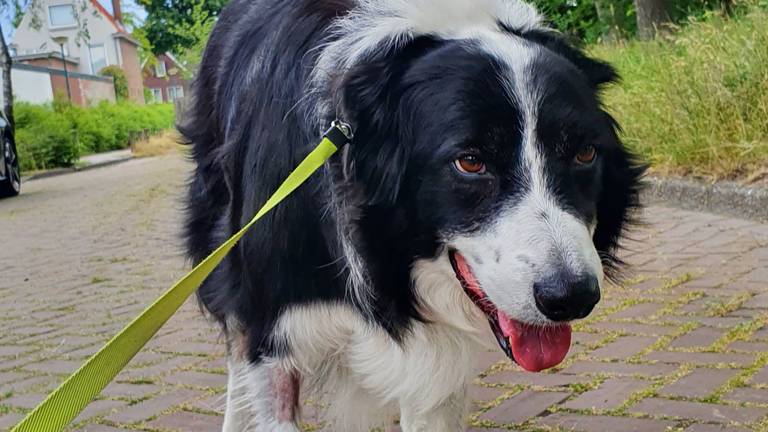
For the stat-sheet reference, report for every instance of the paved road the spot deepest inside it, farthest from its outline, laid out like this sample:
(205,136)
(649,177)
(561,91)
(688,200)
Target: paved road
(679,347)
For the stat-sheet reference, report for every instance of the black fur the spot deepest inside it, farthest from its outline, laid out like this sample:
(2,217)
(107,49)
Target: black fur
(414,108)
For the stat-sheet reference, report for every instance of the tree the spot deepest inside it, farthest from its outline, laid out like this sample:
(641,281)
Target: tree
(198,31)
(163,15)
(652,15)
(118,79)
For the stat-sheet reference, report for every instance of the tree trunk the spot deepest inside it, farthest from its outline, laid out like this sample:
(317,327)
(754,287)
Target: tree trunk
(727,7)
(5,65)
(651,16)
(612,17)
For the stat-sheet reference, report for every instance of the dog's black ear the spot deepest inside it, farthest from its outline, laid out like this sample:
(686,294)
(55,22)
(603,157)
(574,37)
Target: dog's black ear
(597,72)
(372,101)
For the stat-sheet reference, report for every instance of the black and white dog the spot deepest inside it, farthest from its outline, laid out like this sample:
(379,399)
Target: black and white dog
(484,184)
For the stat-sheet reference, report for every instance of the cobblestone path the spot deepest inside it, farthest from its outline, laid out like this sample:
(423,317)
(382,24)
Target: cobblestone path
(681,346)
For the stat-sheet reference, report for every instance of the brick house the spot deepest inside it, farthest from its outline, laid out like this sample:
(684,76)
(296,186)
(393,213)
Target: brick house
(108,42)
(165,79)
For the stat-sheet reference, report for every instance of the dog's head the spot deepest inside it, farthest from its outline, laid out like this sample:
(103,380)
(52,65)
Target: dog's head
(491,152)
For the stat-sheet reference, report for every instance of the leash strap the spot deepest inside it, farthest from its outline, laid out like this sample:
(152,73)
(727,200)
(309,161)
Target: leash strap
(71,397)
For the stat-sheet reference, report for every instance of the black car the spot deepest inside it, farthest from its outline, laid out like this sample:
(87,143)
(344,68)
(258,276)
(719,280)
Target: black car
(10,175)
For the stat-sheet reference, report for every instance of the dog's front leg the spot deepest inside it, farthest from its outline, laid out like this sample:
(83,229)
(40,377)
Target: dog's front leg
(449,416)
(261,397)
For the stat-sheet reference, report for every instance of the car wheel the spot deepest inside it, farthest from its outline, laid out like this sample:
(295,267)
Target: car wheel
(12,184)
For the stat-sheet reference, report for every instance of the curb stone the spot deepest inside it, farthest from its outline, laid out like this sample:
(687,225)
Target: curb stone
(61,171)
(725,198)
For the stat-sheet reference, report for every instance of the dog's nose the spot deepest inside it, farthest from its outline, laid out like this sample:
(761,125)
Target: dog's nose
(566,297)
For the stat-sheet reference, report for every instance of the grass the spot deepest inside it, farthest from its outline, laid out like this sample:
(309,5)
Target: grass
(157,145)
(696,103)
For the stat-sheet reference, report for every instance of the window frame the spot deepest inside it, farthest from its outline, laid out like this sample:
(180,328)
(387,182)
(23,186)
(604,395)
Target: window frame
(165,69)
(178,92)
(53,26)
(157,91)
(90,56)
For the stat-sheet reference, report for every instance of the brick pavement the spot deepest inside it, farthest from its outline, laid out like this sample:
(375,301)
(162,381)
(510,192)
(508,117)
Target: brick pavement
(679,346)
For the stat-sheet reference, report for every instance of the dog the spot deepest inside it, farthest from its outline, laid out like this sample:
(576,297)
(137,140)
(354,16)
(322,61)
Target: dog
(480,202)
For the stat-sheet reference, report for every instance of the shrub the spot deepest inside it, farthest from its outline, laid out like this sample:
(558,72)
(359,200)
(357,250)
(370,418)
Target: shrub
(697,104)
(119,79)
(49,136)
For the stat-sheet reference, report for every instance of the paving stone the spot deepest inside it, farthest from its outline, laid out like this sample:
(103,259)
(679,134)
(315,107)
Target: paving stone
(749,346)
(746,394)
(152,407)
(134,391)
(27,384)
(638,311)
(759,301)
(57,367)
(618,368)
(197,379)
(523,406)
(29,400)
(698,411)
(14,350)
(218,403)
(702,358)
(185,421)
(761,377)
(610,395)
(583,423)
(623,347)
(480,395)
(702,427)
(699,383)
(9,420)
(635,328)
(98,408)
(700,337)
(8,377)
(534,379)
(104,428)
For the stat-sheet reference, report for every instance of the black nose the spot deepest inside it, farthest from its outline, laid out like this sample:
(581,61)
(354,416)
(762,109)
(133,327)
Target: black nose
(566,297)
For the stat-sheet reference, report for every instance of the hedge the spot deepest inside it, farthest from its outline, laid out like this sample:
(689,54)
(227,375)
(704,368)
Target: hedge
(49,136)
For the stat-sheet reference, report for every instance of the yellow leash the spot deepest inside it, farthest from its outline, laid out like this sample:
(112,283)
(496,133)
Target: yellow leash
(72,396)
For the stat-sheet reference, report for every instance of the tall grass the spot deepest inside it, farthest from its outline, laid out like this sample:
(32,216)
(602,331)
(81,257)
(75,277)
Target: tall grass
(696,103)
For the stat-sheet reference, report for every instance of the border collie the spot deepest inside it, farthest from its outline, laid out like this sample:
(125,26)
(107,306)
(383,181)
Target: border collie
(481,201)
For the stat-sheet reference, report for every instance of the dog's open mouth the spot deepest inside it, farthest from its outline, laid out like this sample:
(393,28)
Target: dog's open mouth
(534,348)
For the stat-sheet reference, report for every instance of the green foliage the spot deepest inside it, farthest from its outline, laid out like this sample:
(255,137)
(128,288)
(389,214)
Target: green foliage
(697,104)
(591,20)
(118,76)
(164,15)
(200,27)
(49,136)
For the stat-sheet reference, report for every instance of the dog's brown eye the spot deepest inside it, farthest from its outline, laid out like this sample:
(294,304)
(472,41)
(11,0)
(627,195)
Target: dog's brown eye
(470,164)
(586,155)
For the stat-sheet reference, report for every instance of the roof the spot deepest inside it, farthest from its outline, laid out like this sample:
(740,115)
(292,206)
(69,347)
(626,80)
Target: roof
(121,32)
(119,27)
(126,36)
(170,57)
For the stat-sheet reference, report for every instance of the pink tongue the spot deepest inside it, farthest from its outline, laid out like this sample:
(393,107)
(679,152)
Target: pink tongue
(536,348)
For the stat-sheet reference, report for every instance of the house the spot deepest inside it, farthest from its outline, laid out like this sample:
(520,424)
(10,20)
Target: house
(91,39)
(166,78)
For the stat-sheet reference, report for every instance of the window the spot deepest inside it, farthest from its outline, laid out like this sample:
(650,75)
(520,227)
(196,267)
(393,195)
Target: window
(98,58)
(175,92)
(62,15)
(160,69)
(157,95)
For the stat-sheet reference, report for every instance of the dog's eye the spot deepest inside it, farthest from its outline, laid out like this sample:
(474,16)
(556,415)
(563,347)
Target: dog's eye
(470,164)
(586,155)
